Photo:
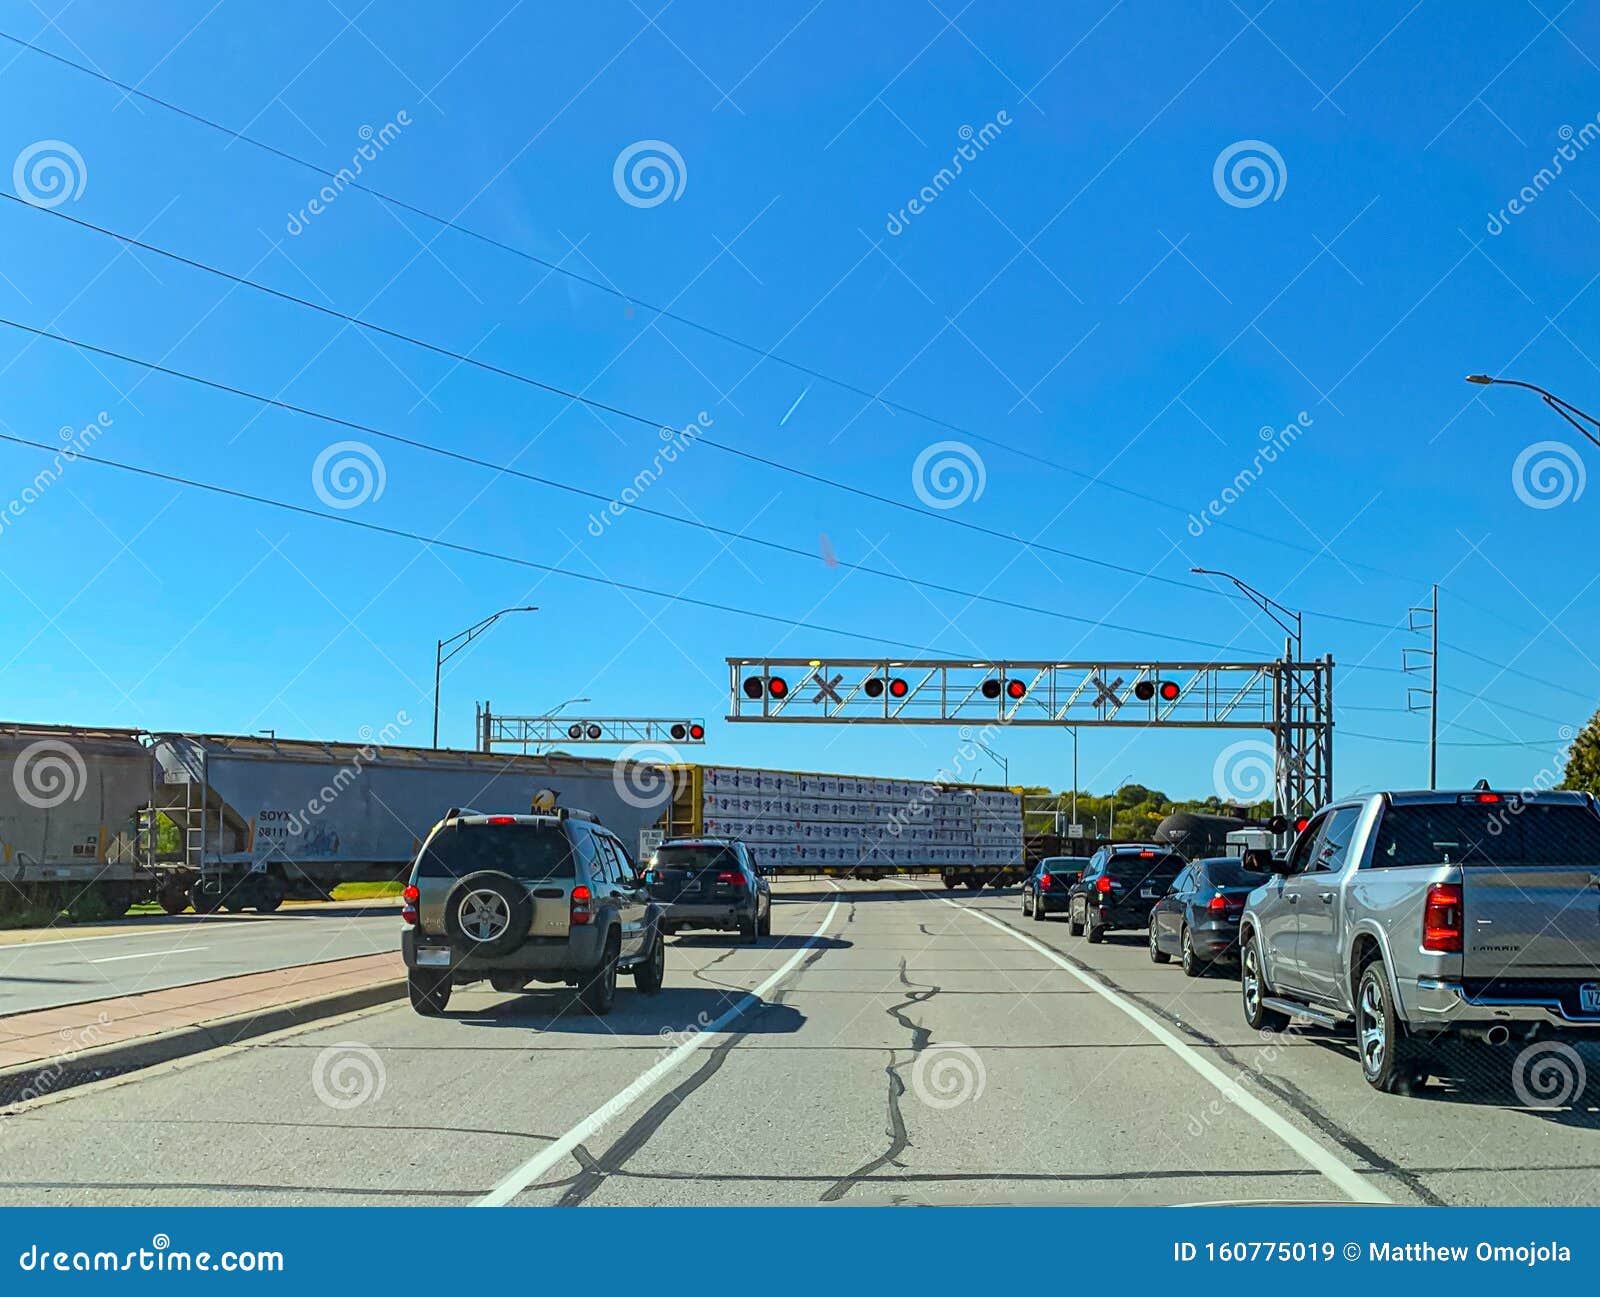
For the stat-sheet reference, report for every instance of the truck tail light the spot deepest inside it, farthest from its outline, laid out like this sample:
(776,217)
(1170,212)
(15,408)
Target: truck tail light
(582,905)
(1103,885)
(1443,926)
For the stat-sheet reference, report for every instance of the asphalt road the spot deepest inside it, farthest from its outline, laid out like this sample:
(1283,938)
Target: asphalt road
(899,1046)
(152,954)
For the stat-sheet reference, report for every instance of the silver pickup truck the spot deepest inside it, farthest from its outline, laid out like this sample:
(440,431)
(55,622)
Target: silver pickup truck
(1430,917)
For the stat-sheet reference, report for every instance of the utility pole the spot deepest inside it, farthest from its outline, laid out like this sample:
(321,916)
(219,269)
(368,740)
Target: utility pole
(1430,656)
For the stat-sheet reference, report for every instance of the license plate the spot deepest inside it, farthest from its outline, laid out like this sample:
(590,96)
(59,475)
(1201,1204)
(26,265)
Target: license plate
(1589,997)
(1149,893)
(439,958)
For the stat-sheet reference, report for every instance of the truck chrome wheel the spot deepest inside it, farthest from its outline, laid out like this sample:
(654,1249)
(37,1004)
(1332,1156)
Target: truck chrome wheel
(1371,1031)
(484,915)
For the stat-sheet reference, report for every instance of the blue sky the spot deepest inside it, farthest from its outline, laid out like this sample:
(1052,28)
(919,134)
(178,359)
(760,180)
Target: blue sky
(1081,293)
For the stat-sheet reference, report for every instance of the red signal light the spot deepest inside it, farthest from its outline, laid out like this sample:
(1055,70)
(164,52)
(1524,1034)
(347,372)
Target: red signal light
(772,686)
(697,731)
(898,688)
(1300,824)
(778,687)
(1015,689)
(1169,691)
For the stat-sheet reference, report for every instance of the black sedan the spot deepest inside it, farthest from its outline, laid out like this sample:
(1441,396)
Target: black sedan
(1044,891)
(1198,918)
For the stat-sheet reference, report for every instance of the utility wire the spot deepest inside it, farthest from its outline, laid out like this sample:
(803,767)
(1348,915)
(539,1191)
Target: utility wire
(709,330)
(764,353)
(634,417)
(555,484)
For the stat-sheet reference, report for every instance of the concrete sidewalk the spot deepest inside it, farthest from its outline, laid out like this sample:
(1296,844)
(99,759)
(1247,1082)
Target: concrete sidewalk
(64,1046)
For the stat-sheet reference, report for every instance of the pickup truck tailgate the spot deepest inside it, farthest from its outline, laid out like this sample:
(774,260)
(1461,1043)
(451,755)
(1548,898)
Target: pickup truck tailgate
(1532,921)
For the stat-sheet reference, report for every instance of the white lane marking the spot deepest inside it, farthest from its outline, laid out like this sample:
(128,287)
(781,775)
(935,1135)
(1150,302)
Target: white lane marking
(547,1157)
(150,954)
(1348,1180)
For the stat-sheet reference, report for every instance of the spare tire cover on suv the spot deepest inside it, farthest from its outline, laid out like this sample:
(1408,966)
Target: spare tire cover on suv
(487,914)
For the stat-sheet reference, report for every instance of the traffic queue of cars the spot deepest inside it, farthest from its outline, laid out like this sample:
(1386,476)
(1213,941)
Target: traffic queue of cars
(1430,923)
(553,897)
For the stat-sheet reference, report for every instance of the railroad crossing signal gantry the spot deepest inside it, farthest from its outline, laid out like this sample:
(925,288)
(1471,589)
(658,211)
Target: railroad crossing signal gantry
(1291,700)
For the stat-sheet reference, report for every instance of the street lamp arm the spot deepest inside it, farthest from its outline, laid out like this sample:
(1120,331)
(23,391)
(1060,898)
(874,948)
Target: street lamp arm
(1287,619)
(1564,408)
(472,632)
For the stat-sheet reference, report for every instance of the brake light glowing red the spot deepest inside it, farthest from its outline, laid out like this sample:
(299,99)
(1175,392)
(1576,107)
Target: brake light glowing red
(411,895)
(1102,885)
(1443,925)
(732,877)
(1147,855)
(1219,903)
(502,819)
(1044,882)
(582,904)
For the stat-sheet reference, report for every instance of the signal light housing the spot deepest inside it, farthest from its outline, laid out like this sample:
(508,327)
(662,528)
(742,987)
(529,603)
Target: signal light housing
(697,732)
(1145,690)
(872,686)
(574,731)
(593,731)
(991,688)
(778,687)
(898,688)
(679,732)
(1168,690)
(1015,689)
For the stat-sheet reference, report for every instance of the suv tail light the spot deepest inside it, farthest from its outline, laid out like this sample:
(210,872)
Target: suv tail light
(732,877)
(582,905)
(408,913)
(1443,928)
(1103,884)
(1044,882)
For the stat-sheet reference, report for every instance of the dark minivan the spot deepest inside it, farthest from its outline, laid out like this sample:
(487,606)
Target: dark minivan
(1119,889)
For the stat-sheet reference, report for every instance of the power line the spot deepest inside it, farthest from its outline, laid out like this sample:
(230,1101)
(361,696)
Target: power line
(719,334)
(634,417)
(765,353)
(555,484)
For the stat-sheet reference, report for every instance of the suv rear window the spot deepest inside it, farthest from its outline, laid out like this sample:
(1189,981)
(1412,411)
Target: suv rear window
(529,851)
(695,859)
(1501,835)
(1134,868)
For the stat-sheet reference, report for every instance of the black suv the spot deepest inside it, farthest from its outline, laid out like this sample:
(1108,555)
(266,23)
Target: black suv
(1119,889)
(710,883)
(548,897)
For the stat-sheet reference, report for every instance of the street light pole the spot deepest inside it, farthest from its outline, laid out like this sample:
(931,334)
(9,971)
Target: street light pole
(1289,620)
(459,641)
(1564,408)
(1005,766)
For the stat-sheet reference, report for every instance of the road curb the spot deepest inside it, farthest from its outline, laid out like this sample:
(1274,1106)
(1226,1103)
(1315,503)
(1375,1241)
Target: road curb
(66,1071)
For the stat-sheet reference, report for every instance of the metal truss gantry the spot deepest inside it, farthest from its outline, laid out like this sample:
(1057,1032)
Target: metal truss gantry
(528,733)
(1291,700)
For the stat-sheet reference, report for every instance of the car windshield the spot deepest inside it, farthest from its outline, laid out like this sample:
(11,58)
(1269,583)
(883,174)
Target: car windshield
(528,851)
(1508,834)
(695,858)
(1231,873)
